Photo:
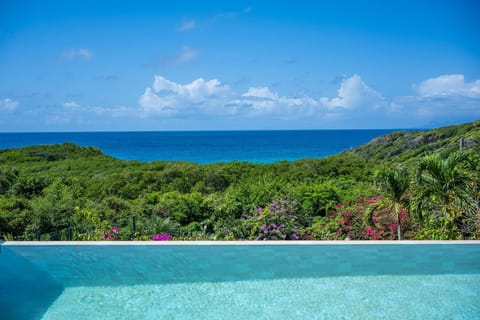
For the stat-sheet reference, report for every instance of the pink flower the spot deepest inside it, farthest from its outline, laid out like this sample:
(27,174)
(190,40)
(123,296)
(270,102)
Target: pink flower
(393,227)
(369,233)
(403,215)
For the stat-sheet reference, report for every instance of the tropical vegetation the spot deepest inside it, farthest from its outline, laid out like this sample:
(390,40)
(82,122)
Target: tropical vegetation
(405,185)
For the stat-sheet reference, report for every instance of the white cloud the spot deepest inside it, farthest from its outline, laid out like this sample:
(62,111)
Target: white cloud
(187,25)
(195,91)
(155,104)
(171,98)
(260,92)
(71,104)
(8,104)
(447,85)
(259,101)
(73,54)
(353,94)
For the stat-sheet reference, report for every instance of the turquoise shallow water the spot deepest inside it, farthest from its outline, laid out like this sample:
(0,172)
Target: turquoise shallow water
(361,297)
(240,282)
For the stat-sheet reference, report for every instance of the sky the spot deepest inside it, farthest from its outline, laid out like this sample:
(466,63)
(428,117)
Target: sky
(85,65)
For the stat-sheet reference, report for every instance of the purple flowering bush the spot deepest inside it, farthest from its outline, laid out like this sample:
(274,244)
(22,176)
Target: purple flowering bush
(162,237)
(275,221)
(111,234)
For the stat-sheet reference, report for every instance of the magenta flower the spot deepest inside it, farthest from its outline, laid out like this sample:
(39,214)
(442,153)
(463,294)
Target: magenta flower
(114,230)
(162,237)
(111,234)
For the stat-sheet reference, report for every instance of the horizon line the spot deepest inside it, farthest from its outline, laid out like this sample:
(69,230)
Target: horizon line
(220,130)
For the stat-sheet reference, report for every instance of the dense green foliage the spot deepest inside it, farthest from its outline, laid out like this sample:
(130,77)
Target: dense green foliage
(412,185)
(409,146)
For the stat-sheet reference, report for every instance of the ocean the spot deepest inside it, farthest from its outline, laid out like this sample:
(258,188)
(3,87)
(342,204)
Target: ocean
(205,146)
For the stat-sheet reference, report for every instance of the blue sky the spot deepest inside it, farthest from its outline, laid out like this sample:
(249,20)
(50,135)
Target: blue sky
(231,65)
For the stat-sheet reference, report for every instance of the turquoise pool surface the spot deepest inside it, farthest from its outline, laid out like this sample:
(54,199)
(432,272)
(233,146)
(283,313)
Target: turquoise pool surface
(358,281)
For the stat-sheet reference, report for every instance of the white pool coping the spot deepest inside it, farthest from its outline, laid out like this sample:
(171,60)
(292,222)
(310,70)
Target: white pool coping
(236,243)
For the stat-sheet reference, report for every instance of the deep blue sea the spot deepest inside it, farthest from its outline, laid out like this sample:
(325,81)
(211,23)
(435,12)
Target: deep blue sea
(205,146)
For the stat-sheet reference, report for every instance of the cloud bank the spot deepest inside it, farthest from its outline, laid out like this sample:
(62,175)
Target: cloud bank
(212,104)
(436,99)
(211,96)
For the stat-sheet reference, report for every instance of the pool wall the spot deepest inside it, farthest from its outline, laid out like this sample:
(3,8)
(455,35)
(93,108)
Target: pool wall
(126,263)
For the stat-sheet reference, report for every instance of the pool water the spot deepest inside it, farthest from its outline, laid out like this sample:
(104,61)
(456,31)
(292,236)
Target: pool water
(185,281)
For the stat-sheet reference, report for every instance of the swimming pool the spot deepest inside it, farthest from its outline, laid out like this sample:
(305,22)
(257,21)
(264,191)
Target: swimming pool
(240,280)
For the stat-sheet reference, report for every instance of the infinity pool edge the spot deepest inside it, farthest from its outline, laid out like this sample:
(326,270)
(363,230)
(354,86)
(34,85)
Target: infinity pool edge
(236,243)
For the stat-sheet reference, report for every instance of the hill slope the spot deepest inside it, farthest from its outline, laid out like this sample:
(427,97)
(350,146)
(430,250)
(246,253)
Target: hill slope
(407,146)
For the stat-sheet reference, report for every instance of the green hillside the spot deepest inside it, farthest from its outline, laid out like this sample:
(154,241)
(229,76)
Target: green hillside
(416,185)
(407,146)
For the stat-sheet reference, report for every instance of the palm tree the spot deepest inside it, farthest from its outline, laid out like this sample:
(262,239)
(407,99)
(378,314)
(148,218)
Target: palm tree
(444,186)
(393,184)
